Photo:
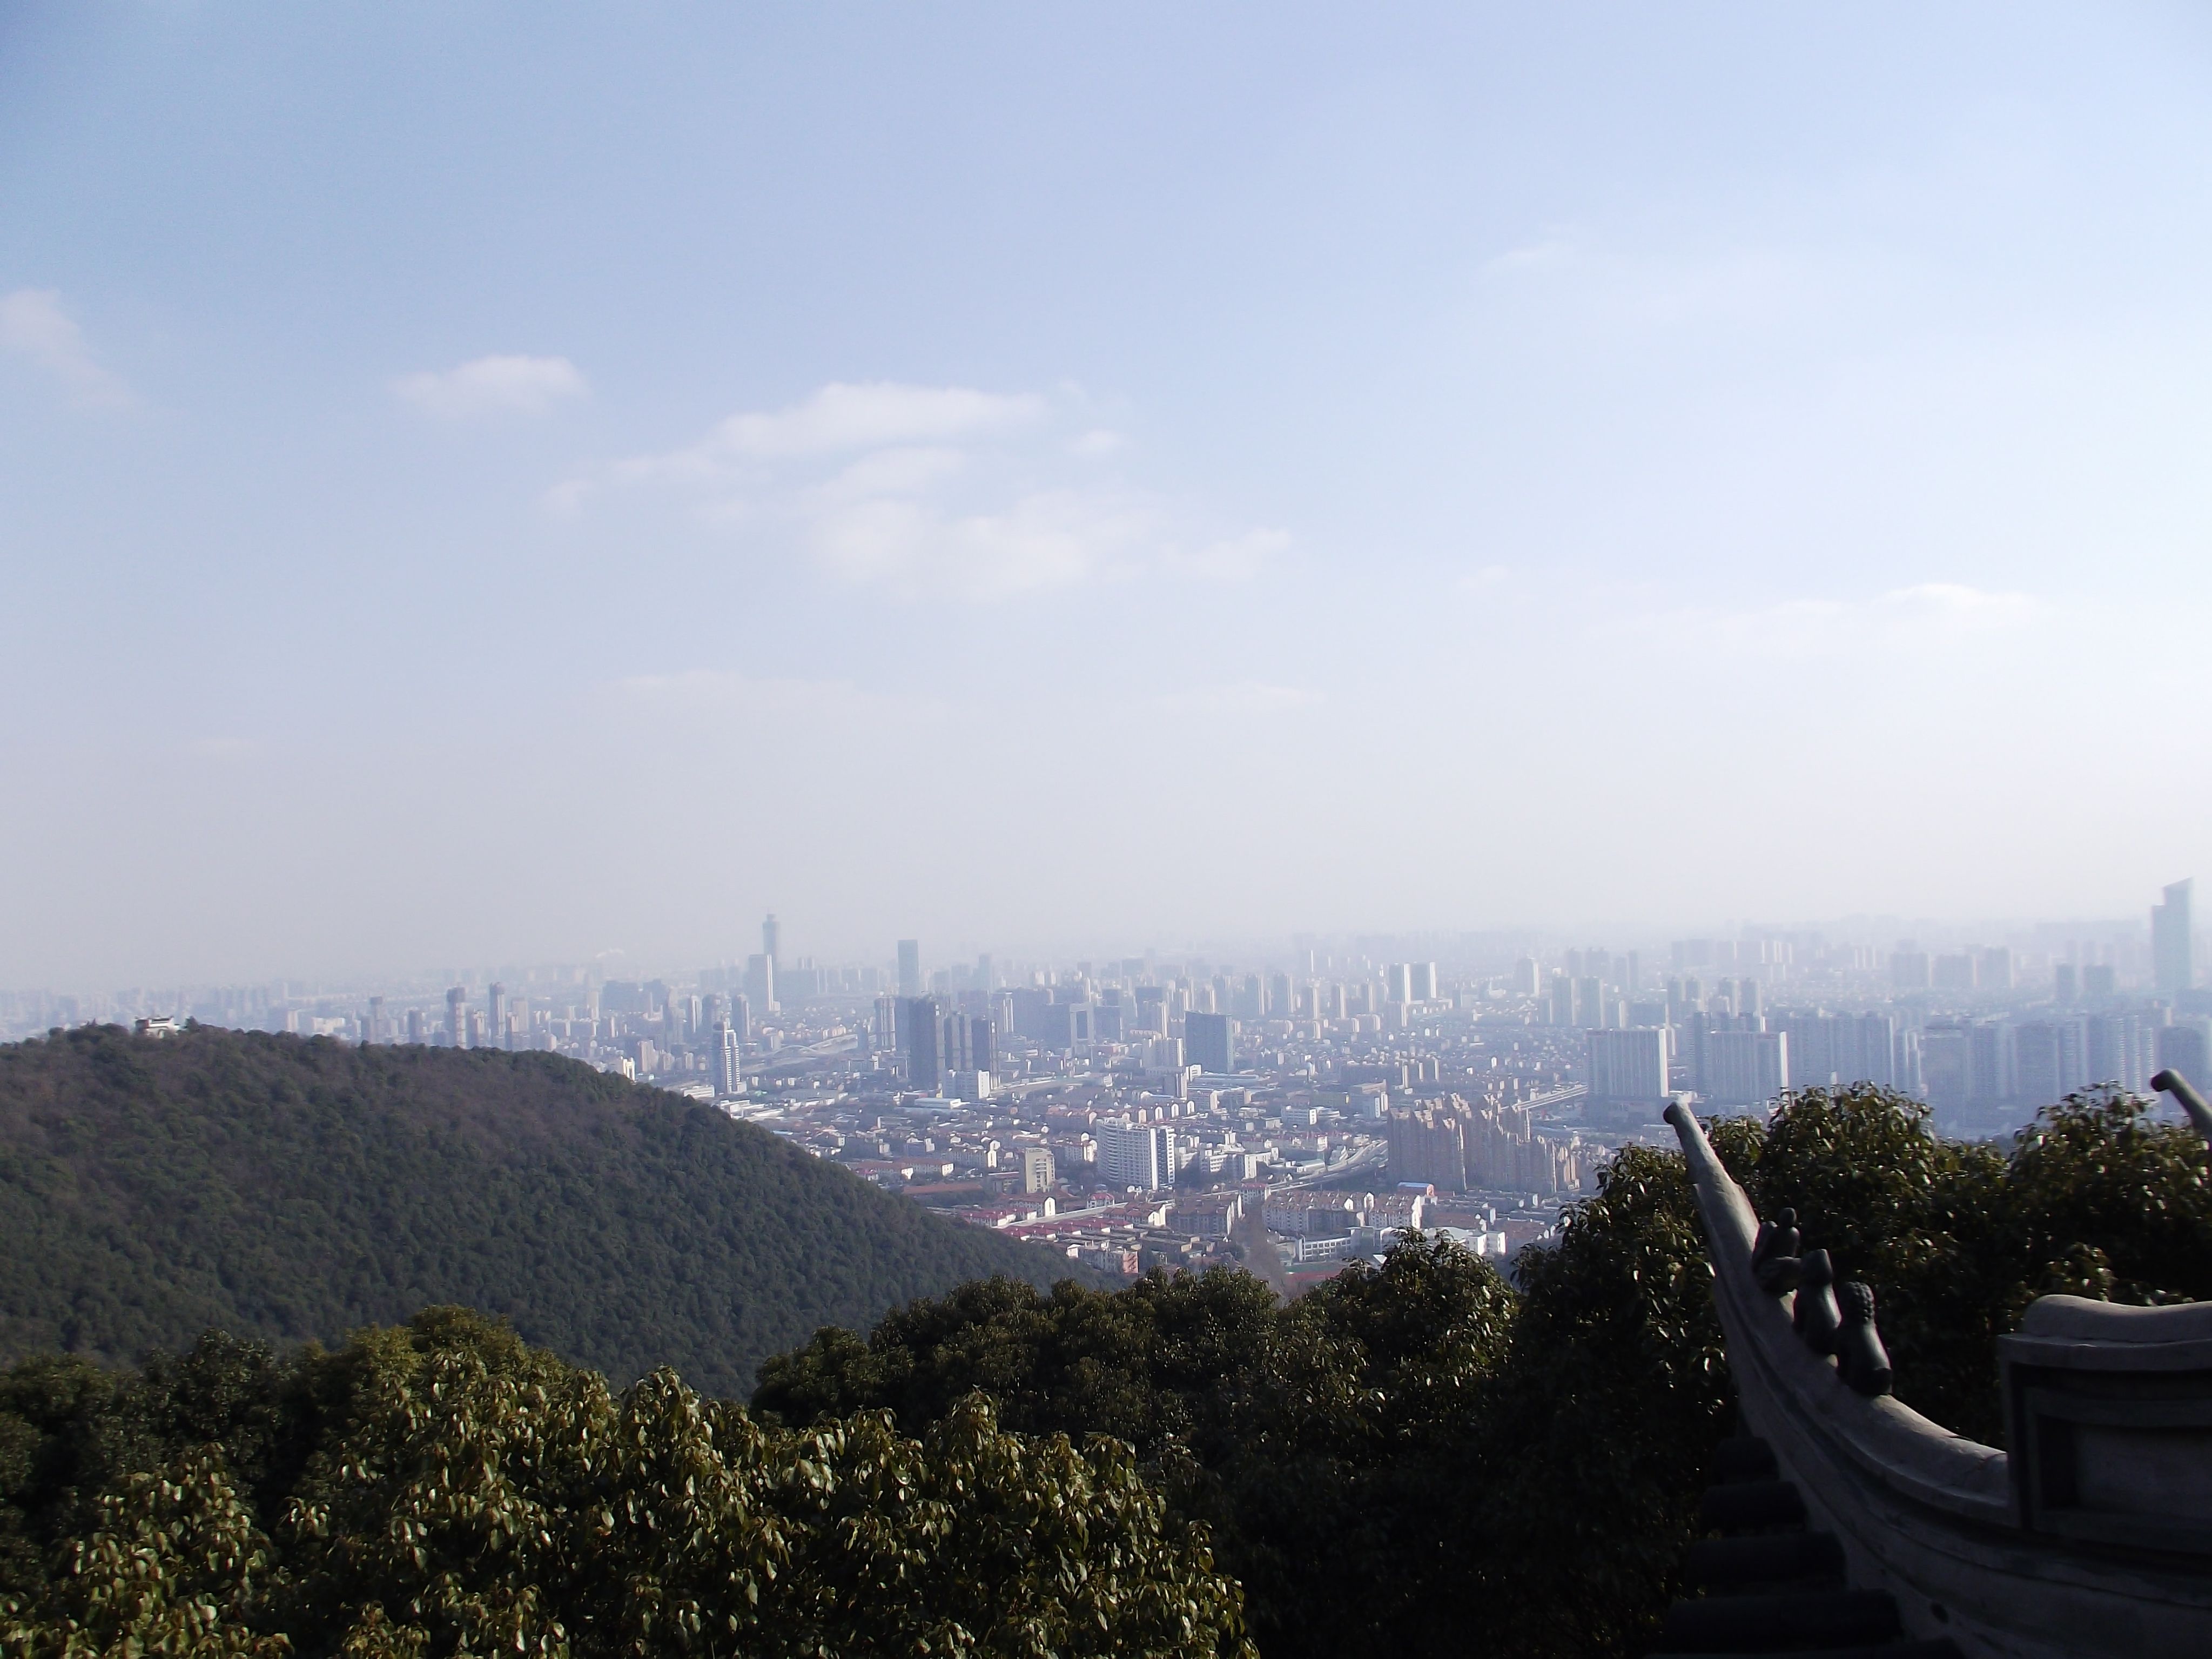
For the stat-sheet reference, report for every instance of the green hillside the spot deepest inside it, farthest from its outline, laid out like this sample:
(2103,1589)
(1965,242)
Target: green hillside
(291,1189)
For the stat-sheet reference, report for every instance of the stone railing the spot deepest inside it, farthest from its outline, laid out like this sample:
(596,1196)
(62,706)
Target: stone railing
(2096,1541)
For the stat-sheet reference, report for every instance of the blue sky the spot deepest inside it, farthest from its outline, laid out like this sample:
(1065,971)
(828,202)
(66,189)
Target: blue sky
(499,483)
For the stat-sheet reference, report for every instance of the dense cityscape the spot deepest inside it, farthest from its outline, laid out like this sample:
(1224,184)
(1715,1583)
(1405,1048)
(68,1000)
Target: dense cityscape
(1175,1110)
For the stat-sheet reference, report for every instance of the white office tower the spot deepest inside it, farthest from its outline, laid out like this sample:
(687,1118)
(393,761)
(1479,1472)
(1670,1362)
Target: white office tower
(1140,1155)
(726,1073)
(2172,952)
(1746,1068)
(1628,1066)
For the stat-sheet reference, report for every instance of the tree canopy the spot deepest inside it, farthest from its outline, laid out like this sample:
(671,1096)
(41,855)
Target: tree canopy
(291,1189)
(443,1488)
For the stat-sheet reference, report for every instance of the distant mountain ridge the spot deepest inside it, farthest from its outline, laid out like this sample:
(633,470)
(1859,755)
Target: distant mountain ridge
(294,1189)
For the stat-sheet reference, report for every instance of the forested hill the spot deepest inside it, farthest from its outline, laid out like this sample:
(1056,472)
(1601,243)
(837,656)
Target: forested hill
(292,1189)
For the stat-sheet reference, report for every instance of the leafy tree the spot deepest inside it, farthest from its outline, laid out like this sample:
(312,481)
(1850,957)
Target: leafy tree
(460,1492)
(2094,1199)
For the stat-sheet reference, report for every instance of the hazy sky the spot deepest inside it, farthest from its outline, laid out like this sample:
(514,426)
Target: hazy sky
(502,483)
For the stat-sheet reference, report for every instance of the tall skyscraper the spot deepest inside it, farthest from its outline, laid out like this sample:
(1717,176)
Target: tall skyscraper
(416,1034)
(770,941)
(456,1017)
(923,1039)
(1422,976)
(496,1014)
(909,967)
(1398,982)
(760,982)
(726,1073)
(378,1031)
(1211,1041)
(2173,950)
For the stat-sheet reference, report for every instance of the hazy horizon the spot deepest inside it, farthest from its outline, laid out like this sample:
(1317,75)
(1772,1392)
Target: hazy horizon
(510,484)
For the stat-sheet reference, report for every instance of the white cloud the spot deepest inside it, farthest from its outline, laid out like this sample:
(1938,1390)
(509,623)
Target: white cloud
(840,418)
(32,324)
(1097,443)
(493,385)
(930,492)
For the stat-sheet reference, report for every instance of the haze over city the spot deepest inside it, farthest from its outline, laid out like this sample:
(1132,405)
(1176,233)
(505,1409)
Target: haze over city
(516,485)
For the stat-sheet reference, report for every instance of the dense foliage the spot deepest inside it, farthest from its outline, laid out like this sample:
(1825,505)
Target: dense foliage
(444,1489)
(2094,1199)
(1412,1459)
(291,1189)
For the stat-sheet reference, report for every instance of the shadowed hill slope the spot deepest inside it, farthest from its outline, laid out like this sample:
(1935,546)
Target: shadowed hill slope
(295,1189)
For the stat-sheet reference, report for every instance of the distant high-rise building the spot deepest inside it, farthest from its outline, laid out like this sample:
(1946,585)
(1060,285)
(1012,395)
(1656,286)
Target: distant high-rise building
(1152,1009)
(1590,1000)
(1136,1155)
(1528,979)
(456,1017)
(2065,984)
(1282,998)
(923,1039)
(1252,1000)
(1909,969)
(1398,983)
(760,983)
(379,1030)
(2173,950)
(1995,970)
(2121,1049)
(909,968)
(1422,976)
(2050,1059)
(771,939)
(2100,980)
(1038,1174)
(416,1034)
(1954,971)
(987,976)
(741,1017)
(1627,1067)
(726,1071)
(1744,1069)
(1211,1041)
(1746,996)
(495,1013)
